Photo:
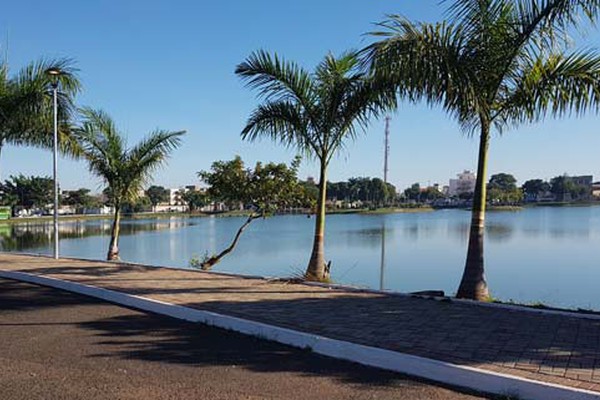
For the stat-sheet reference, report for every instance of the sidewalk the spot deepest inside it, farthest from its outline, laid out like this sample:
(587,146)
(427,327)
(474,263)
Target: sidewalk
(544,347)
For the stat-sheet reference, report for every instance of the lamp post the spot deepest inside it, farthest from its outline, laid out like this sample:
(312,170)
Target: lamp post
(54,73)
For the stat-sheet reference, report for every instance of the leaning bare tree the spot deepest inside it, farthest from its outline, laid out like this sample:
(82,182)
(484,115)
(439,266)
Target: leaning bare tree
(261,191)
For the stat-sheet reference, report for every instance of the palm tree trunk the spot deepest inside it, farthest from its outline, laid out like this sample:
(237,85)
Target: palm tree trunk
(113,247)
(210,262)
(473,285)
(316,266)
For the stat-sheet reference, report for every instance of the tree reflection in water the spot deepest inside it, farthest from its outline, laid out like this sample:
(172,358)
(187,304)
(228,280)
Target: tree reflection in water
(382,260)
(24,236)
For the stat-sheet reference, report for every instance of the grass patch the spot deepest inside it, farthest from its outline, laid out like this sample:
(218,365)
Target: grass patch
(538,305)
(298,276)
(346,211)
(505,208)
(398,210)
(564,204)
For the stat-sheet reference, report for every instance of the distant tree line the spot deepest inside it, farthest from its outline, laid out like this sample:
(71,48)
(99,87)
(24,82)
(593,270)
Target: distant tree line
(502,189)
(35,193)
(418,194)
(30,192)
(369,191)
(560,188)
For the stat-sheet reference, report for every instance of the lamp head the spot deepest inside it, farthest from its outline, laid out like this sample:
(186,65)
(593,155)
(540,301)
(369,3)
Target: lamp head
(54,73)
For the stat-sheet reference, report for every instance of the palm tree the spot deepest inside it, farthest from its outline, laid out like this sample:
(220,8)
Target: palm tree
(26,112)
(124,170)
(496,64)
(316,113)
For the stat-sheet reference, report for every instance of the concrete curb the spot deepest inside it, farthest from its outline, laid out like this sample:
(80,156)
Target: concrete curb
(334,286)
(456,375)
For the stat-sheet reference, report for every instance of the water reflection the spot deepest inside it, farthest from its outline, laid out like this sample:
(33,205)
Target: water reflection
(420,230)
(494,231)
(382,258)
(25,236)
(370,237)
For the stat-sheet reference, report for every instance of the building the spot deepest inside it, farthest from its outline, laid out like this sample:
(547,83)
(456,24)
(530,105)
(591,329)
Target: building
(174,202)
(175,196)
(99,210)
(596,190)
(465,183)
(194,188)
(584,180)
(587,182)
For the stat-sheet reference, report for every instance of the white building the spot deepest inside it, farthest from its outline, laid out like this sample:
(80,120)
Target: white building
(596,190)
(174,203)
(465,183)
(175,196)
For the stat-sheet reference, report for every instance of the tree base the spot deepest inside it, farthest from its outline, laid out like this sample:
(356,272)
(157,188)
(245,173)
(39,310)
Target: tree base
(209,264)
(324,278)
(479,293)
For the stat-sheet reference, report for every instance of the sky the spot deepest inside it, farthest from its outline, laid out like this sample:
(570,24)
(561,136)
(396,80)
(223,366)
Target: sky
(169,64)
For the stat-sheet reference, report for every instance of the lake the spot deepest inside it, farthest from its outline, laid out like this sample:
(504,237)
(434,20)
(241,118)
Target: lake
(540,254)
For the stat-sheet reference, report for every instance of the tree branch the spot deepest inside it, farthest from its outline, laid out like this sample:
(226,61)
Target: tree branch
(211,261)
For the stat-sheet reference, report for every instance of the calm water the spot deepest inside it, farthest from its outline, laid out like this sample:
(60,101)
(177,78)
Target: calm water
(544,254)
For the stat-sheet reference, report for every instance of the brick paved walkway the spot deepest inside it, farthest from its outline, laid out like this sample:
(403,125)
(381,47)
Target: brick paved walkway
(545,347)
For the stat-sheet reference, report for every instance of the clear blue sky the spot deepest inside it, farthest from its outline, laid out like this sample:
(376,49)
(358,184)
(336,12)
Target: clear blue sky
(169,64)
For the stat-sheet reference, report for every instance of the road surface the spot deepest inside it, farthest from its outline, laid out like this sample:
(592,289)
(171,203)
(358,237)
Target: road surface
(57,345)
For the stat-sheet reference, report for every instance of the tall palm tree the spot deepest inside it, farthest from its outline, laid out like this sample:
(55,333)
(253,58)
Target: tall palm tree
(124,170)
(26,111)
(314,112)
(496,64)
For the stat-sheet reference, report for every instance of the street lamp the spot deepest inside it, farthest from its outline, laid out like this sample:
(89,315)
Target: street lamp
(54,73)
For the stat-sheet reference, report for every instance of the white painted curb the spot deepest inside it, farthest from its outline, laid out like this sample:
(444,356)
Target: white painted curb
(456,375)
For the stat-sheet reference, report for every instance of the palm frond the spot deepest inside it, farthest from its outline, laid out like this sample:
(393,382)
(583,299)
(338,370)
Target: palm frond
(276,78)
(35,73)
(125,171)
(284,122)
(101,144)
(150,154)
(341,98)
(26,109)
(476,16)
(554,17)
(369,100)
(427,61)
(561,84)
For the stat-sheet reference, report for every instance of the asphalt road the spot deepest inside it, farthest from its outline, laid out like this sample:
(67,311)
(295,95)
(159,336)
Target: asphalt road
(57,345)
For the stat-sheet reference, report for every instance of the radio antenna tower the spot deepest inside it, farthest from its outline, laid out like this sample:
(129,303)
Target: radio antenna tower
(387,149)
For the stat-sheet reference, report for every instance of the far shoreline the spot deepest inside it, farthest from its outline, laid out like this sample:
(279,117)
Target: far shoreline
(232,214)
